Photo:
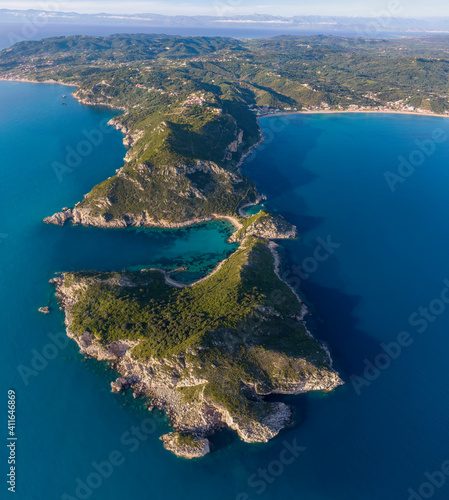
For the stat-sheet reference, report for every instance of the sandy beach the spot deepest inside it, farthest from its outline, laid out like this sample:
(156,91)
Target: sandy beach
(345,111)
(282,113)
(24,80)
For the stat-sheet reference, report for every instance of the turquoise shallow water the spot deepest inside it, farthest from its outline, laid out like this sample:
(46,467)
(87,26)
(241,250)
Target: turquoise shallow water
(324,173)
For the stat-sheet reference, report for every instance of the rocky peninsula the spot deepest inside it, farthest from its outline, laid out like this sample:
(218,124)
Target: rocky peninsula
(208,353)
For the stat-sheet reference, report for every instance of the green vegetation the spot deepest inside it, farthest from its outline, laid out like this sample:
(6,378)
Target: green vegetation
(236,328)
(248,222)
(187,440)
(191,104)
(167,319)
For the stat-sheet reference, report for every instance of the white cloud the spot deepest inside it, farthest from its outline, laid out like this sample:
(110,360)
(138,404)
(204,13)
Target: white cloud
(235,7)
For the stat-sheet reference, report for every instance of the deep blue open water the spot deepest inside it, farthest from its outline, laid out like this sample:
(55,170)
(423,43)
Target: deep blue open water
(385,255)
(11,33)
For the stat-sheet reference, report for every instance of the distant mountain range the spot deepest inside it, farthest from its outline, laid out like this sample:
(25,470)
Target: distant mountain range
(366,26)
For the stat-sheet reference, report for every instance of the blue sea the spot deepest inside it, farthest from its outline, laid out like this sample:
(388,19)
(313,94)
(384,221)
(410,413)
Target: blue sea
(11,33)
(372,264)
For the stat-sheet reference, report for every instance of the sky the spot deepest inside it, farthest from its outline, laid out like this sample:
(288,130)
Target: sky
(371,8)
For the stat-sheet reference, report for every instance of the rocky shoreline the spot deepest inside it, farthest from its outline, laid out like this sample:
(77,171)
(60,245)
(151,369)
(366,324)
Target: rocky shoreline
(160,381)
(80,216)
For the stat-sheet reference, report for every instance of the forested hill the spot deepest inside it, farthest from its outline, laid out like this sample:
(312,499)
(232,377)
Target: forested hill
(191,105)
(121,48)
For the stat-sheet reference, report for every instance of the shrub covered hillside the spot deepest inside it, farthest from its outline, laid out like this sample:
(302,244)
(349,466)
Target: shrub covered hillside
(190,106)
(224,341)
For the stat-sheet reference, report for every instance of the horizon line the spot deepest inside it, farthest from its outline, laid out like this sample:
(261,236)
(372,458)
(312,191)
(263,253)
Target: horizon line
(231,16)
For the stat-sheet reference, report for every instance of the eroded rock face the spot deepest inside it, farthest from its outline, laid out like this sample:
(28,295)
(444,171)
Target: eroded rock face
(130,137)
(161,380)
(82,216)
(60,218)
(267,226)
(234,146)
(119,385)
(260,431)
